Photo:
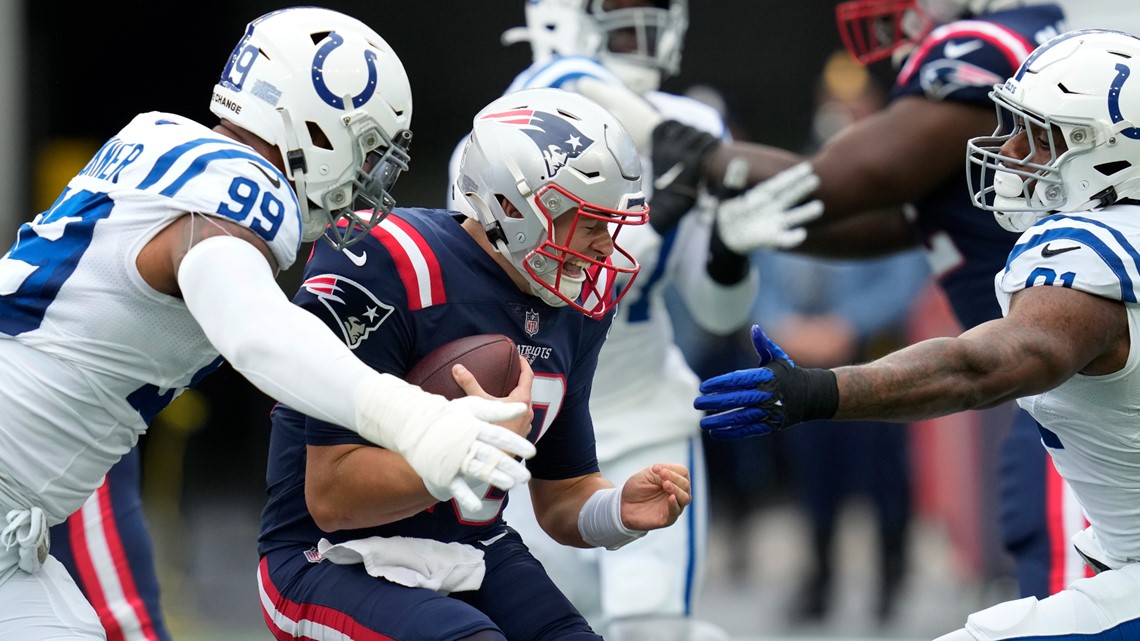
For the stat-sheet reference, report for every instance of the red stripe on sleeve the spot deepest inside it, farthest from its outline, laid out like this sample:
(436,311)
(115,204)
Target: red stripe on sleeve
(416,263)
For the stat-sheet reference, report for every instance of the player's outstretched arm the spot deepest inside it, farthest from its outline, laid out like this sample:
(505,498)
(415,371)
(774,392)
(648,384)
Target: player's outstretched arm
(290,355)
(1050,334)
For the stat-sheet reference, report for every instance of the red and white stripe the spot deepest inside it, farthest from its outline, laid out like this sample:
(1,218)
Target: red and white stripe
(1064,518)
(1010,43)
(415,261)
(292,621)
(104,571)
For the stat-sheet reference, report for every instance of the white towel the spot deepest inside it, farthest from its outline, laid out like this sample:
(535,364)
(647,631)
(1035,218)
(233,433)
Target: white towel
(416,563)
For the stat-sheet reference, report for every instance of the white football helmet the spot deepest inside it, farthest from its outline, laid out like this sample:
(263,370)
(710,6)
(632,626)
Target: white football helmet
(554,153)
(334,98)
(1072,114)
(872,30)
(640,41)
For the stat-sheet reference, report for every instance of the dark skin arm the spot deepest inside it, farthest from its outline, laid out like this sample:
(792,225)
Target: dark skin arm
(879,163)
(1050,334)
(159,259)
(868,235)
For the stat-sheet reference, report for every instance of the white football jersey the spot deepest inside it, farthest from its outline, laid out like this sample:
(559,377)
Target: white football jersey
(1092,423)
(643,389)
(89,353)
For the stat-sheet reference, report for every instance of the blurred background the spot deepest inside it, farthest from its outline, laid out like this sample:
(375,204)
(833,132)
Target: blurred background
(74,76)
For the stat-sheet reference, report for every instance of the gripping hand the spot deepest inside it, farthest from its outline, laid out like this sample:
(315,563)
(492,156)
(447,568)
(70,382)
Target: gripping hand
(770,214)
(768,398)
(452,445)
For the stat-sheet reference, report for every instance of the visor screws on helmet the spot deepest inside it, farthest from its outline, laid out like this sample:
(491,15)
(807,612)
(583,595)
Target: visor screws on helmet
(370,141)
(1053,192)
(553,203)
(337,198)
(520,237)
(1078,135)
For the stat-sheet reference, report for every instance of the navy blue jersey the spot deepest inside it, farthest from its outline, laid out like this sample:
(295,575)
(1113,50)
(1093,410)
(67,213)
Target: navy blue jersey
(961,62)
(417,282)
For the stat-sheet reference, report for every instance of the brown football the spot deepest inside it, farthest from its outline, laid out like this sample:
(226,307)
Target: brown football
(492,358)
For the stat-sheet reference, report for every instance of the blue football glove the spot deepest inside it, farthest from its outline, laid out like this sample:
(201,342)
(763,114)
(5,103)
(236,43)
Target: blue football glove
(767,399)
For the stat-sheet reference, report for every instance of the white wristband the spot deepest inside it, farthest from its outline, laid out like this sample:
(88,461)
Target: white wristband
(600,524)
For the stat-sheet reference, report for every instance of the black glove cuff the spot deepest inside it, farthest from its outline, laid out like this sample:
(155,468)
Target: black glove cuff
(666,209)
(725,266)
(674,144)
(809,393)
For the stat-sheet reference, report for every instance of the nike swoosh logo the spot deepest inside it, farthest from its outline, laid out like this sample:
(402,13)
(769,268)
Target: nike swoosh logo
(959,49)
(268,176)
(357,259)
(492,539)
(1046,252)
(667,178)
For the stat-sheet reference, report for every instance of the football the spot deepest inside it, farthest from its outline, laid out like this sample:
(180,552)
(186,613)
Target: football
(492,358)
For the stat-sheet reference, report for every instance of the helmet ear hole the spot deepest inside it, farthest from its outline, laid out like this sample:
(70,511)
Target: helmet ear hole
(317,136)
(1110,168)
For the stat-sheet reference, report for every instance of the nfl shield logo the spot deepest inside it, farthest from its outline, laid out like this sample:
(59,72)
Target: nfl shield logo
(531,324)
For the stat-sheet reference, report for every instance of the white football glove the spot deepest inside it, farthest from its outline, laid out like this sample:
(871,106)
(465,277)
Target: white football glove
(767,215)
(636,114)
(450,444)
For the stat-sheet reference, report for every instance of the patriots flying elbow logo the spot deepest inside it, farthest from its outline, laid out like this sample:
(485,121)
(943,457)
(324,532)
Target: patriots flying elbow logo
(358,316)
(555,136)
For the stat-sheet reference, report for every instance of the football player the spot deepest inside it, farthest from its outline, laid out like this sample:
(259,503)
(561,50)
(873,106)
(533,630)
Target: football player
(355,544)
(640,403)
(173,232)
(895,178)
(1062,169)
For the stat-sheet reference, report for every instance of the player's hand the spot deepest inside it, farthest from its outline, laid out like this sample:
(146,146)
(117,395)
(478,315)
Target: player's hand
(635,113)
(771,214)
(521,393)
(491,450)
(766,399)
(451,445)
(655,497)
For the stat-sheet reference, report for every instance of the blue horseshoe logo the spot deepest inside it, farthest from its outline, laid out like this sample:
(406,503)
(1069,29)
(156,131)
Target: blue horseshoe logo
(337,102)
(1122,73)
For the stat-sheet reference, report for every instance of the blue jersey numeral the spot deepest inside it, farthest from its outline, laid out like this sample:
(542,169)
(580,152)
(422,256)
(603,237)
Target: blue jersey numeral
(1048,277)
(268,210)
(53,245)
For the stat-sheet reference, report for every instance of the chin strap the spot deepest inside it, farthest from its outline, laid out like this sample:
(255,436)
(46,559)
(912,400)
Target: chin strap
(311,229)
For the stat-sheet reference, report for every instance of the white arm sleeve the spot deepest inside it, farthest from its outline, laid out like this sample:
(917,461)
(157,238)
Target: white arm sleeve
(284,350)
(293,357)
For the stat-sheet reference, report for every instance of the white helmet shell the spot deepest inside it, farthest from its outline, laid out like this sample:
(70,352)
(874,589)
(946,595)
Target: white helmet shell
(1077,108)
(640,44)
(333,97)
(553,153)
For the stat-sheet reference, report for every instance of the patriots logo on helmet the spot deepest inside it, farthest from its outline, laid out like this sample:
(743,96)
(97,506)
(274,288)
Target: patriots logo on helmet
(555,136)
(356,319)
